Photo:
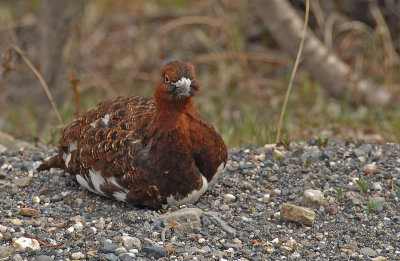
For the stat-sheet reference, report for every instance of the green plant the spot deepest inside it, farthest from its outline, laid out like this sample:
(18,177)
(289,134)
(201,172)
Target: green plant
(251,209)
(372,206)
(326,196)
(279,157)
(340,192)
(364,187)
(321,141)
(164,207)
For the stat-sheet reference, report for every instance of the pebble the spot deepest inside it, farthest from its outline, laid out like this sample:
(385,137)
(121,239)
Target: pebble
(108,247)
(370,169)
(77,255)
(214,218)
(28,212)
(36,200)
(131,242)
(22,182)
(297,214)
(24,243)
(155,251)
(313,198)
(224,207)
(366,251)
(229,197)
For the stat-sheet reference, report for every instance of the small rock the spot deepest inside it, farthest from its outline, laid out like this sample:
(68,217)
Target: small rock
(38,155)
(370,168)
(90,254)
(22,182)
(131,242)
(155,251)
(16,222)
(110,257)
(120,250)
(229,197)
(313,198)
(377,186)
(273,178)
(297,214)
(24,243)
(224,207)
(36,200)
(214,218)
(28,212)
(187,219)
(107,247)
(366,251)
(77,255)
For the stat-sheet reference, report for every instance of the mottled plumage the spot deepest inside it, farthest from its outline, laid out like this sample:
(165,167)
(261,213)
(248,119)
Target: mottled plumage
(146,152)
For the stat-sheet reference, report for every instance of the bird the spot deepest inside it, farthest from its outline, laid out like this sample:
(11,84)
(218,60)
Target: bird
(148,152)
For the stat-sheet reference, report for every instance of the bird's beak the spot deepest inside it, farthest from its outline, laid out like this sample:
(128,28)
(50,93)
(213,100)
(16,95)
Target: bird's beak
(183,88)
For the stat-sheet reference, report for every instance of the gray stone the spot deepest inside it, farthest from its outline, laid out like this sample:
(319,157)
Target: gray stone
(366,251)
(38,155)
(155,251)
(110,257)
(108,247)
(273,178)
(44,258)
(214,218)
(347,238)
(126,257)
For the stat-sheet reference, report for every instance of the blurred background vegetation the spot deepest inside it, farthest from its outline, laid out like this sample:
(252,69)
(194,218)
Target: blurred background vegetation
(119,47)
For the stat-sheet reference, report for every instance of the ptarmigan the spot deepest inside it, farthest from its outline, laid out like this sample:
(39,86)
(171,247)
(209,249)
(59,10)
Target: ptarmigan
(146,152)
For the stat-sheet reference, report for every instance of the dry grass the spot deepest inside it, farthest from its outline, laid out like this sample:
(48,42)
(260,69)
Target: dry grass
(119,47)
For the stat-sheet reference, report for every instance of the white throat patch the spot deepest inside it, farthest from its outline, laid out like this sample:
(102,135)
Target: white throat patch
(183,82)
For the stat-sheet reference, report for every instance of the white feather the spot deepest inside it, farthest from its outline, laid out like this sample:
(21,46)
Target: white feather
(97,180)
(84,183)
(191,198)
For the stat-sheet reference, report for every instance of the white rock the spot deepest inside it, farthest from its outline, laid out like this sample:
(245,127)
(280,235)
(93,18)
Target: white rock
(313,197)
(229,196)
(377,186)
(131,242)
(36,200)
(120,250)
(275,241)
(78,226)
(70,230)
(23,243)
(277,191)
(202,240)
(3,228)
(77,255)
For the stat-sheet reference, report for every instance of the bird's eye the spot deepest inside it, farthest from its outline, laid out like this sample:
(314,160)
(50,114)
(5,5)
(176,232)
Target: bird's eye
(166,79)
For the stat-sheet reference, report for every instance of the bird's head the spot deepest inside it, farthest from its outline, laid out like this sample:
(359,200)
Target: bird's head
(178,83)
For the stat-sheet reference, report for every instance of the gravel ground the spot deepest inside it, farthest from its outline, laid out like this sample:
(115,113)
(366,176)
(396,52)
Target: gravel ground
(238,219)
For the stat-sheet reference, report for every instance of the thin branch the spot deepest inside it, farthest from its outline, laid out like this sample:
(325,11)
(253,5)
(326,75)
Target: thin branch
(296,64)
(42,81)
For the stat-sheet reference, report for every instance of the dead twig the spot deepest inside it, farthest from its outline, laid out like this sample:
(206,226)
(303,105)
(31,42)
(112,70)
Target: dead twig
(44,243)
(42,81)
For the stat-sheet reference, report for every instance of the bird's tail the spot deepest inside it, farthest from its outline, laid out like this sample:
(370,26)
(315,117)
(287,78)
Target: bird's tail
(53,162)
